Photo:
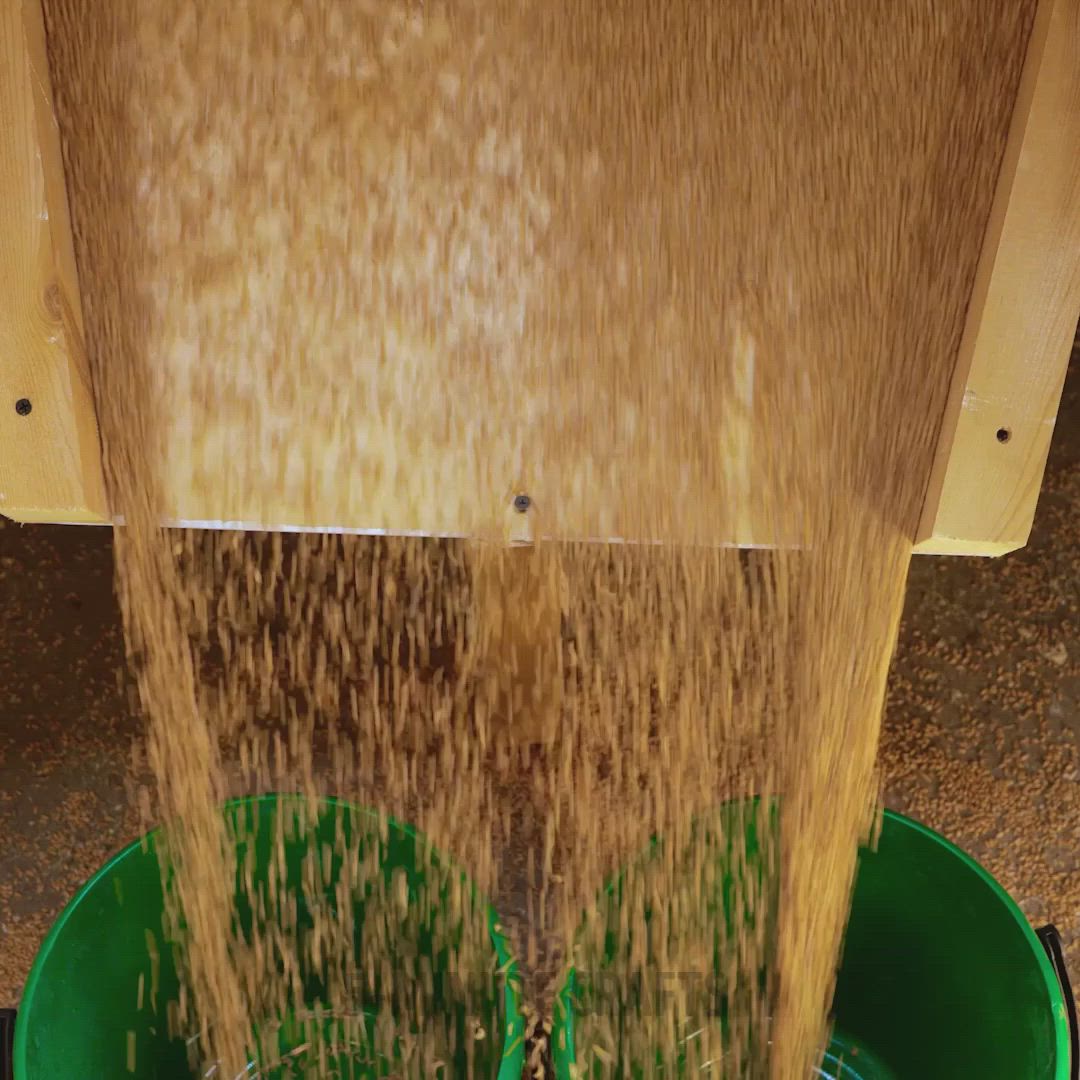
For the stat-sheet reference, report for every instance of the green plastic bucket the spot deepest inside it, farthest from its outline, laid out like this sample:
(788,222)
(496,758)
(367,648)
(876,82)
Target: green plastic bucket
(941,977)
(80,1015)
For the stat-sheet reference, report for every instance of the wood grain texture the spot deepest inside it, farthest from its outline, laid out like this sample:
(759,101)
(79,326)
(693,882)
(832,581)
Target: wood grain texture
(1000,416)
(484,247)
(50,461)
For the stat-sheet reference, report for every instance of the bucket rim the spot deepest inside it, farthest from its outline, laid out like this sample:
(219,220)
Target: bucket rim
(512,1058)
(563,1020)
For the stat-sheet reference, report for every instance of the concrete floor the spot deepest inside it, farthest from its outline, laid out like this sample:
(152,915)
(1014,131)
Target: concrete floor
(980,741)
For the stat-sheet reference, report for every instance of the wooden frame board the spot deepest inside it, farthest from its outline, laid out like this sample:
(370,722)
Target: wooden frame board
(996,431)
(997,425)
(50,457)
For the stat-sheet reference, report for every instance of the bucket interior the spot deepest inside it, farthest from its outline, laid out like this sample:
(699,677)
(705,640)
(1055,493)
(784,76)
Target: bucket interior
(941,975)
(96,1002)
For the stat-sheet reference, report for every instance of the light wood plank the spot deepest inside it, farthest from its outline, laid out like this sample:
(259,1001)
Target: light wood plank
(1023,313)
(981,498)
(50,458)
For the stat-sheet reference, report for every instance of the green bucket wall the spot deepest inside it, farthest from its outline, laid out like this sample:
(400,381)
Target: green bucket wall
(79,1008)
(941,977)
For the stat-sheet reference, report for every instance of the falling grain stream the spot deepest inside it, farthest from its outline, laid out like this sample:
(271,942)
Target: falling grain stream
(683,272)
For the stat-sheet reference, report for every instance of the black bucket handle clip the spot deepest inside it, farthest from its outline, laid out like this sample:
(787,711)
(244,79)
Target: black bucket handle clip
(1051,942)
(7,1044)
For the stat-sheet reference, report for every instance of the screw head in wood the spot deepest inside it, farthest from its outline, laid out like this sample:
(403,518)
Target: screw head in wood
(23,406)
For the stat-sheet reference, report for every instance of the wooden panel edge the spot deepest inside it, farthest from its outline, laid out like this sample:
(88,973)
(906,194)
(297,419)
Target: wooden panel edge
(1022,316)
(50,457)
(950,545)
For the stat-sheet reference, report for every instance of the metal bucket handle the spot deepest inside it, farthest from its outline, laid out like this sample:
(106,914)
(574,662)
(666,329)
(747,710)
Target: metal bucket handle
(1051,942)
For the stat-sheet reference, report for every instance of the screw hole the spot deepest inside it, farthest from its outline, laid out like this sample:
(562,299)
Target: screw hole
(522,503)
(23,406)
(1003,434)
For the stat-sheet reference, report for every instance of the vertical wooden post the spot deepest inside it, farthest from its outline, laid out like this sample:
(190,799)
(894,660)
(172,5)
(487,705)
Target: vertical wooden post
(1003,402)
(50,457)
